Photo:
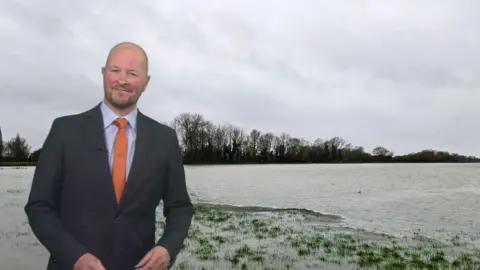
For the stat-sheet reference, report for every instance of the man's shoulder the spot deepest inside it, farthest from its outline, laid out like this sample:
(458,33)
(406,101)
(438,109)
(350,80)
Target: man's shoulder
(158,126)
(69,119)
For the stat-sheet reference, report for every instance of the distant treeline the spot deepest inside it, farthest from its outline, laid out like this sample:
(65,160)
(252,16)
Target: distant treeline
(203,142)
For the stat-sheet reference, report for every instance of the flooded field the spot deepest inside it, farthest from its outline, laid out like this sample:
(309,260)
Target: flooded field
(302,217)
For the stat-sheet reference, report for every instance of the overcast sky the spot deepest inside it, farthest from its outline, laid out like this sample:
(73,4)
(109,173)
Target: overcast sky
(402,74)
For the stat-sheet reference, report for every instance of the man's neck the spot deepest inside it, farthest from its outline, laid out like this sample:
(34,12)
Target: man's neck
(118,112)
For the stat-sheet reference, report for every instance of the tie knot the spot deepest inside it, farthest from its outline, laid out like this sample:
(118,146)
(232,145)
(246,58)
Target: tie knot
(121,123)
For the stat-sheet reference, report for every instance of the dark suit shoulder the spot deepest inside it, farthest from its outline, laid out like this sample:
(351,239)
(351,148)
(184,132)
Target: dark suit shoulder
(67,125)
(66,121)
(74,118)
(158,127)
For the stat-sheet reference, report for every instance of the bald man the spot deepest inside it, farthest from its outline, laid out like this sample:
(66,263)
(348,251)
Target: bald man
(101,175)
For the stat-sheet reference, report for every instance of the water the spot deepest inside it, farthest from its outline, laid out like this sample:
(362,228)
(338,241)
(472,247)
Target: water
(439,200)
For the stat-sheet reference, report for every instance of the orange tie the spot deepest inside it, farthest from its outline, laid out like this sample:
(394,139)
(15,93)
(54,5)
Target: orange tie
(119,168)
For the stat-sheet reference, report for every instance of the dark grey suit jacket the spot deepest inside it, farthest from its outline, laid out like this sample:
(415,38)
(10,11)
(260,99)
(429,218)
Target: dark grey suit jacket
(72,208)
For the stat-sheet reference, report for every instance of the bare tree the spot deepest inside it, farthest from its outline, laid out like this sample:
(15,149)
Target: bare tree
(382,152)
(254,137)
(1,145)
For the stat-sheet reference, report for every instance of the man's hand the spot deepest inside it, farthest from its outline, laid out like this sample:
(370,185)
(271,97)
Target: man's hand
(157,258)
(88,262)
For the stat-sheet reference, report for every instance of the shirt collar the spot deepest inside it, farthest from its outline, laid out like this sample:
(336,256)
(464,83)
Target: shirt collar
(109,116)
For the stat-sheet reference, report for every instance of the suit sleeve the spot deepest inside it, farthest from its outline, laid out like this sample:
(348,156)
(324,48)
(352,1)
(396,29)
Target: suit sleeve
(43,203)
(177,207)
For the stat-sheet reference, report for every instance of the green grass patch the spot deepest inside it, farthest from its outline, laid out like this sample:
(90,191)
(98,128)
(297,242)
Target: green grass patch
(17,164)
(223,239)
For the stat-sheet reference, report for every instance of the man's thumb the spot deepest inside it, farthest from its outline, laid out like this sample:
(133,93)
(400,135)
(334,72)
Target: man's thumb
(144,260)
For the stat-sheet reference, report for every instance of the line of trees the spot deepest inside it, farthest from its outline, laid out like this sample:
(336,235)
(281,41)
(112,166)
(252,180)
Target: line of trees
(206,143)
(203,142)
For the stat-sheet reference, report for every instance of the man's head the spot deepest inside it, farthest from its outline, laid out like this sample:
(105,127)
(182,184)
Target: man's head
(125,76)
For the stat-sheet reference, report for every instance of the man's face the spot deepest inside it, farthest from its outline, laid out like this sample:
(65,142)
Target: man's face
(124,77)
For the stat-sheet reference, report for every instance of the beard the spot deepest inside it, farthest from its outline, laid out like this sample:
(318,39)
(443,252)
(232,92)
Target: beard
(120,104)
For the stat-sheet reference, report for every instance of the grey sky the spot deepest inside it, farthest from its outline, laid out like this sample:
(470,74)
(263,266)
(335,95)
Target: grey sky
(402,74)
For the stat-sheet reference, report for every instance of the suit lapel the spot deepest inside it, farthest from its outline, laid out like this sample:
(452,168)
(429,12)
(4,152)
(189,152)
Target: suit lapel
(94,135)
(140,157)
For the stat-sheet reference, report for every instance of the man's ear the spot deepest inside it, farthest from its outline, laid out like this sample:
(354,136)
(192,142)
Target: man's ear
(147,80)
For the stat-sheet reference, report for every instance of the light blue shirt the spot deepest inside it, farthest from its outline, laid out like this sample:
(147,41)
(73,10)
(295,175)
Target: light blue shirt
(110,130)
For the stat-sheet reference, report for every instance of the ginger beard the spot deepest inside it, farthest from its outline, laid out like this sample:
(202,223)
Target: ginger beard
(122,97)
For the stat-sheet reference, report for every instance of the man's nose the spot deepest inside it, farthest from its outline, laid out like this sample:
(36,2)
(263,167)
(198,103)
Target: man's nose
(122,81)
(122,78)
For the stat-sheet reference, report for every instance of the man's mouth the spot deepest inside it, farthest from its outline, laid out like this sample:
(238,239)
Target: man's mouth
(122,89)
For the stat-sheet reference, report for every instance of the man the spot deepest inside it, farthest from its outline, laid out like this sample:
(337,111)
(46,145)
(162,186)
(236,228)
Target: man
(101,175)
